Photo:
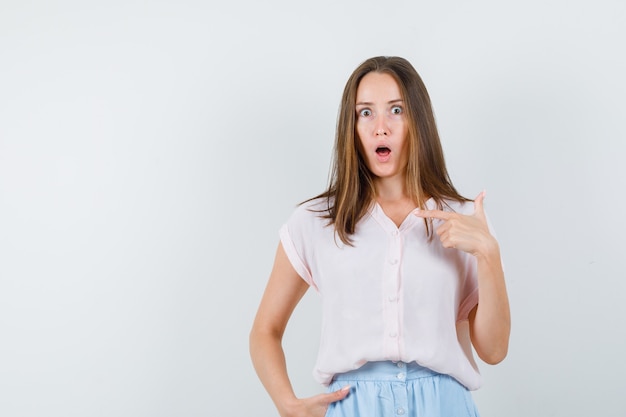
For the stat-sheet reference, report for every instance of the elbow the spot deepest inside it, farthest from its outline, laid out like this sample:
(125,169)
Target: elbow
(494,356)
(492,345)
(260,336)
(254,338)
(494,359)
(255,343)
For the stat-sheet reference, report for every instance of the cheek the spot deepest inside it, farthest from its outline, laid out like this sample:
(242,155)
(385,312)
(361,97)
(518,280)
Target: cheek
(360,129)
(404,134)
(402,126)
(360,134)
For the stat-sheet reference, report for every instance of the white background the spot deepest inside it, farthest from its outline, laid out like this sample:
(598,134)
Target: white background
(150,151)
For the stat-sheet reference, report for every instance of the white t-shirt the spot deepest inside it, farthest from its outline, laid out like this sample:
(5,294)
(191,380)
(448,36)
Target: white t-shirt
(395,295)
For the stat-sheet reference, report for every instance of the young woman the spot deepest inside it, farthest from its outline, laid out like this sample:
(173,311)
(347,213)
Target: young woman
(408,271)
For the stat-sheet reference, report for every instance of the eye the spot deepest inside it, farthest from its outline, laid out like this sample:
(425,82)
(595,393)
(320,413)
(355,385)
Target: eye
(365,112)
(396,110)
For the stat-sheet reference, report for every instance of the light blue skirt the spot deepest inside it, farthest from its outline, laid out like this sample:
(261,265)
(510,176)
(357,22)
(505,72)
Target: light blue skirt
(398,389)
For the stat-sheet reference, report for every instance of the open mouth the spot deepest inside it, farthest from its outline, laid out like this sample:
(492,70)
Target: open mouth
(383,151)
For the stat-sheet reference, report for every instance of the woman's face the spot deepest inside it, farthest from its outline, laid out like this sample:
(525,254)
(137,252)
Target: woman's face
(381,125)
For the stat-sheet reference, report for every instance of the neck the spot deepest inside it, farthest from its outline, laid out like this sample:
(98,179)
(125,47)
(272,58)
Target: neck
(390,189)
(392,197)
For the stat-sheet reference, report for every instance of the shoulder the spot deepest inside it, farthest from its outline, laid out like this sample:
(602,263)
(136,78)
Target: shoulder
(306,225)
(319,205)
(311,211)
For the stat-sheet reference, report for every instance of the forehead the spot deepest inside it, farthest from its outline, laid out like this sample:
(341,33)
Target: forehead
(376,86)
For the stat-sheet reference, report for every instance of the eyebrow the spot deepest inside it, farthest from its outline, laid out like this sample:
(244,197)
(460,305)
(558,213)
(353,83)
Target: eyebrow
(367,103)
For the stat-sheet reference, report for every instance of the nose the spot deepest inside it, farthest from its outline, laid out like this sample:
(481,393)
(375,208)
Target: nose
(381,127)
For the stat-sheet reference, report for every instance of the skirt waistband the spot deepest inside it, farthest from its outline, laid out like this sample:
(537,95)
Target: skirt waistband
(386,371)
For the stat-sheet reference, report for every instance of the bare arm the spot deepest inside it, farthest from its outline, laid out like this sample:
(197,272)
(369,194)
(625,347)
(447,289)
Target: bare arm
(284,290)
(490,320)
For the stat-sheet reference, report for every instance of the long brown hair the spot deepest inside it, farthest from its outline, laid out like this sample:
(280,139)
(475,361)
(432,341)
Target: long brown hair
(351,187)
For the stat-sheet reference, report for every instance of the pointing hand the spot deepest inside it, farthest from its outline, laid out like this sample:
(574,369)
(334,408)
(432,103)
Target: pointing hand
(468,233)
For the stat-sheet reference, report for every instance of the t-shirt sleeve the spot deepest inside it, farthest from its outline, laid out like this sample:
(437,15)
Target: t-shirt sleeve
(296,240)
(469,297)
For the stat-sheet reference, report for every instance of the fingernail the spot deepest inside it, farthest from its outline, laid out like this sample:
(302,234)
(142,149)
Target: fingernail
(346,388)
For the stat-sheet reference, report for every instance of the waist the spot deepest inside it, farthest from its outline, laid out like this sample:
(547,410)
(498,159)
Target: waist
(386,371)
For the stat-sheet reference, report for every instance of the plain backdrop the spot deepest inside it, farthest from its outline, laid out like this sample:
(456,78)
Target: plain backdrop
(151,150)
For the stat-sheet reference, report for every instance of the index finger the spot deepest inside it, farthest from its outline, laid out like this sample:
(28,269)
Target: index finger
(433,214)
